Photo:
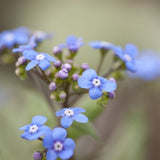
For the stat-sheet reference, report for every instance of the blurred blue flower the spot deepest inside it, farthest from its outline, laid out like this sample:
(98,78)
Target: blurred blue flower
(148,66)
(70,114)
(58,145)
(95,84)
(36,129)
(31,45)
(16,36)
(101,45)
(128,56)
(73,44)
(58,49)
(40,59)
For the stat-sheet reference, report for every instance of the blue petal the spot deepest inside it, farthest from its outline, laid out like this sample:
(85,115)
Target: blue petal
(61,112)
(44,64)
(26,127)
(51,155)
(95,93)
(131,50)
(118,51)
(59,134)
(66,121)
(30,54)
(131,66)
(84,83)
(80,118)
(69,143)
(32,136)
(39,120)
(31,64)
(95,44)
(89,74)
(48,141)
(107,85)
(77,110)
(49,58)
(71,40)
(65,154)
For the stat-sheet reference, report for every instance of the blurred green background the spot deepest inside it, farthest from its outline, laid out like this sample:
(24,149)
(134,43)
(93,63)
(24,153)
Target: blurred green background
(129,128)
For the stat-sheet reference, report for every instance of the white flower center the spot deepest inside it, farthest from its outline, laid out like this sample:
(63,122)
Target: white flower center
(40,57)
(69,112)
(9,37)
(33,129)
(58,146)
(127,57)
(96,82)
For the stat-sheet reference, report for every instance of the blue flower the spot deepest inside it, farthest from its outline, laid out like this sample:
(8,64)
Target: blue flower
(31,45)
(42,59)
(73,44)
(95,84)
(36,129)
(58,145)
(101,45)
(148,66)
(16,36)
(70,114)
(128,56)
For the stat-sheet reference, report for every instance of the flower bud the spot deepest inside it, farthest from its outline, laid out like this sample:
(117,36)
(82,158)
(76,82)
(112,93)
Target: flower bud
(52,96)
(62,95)
(37,155)
(57,75)
(66,66)
(48,73)
(56,50)
(85,66)
(75,77)
(69,61)
(17,72)
(52,86)
(63,74)
(57,64)
(111,95)
(21,60)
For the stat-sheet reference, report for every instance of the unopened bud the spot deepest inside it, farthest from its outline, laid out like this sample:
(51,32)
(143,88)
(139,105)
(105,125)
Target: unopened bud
(22,60)
(111,95)
(85,66)
(75,77)
(57,64)
(62,95)
(63,74)
(37,155)
(52,86)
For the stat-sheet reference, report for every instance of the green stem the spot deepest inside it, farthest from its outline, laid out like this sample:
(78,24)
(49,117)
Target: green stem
(118,67)
(46,78)
(101,62)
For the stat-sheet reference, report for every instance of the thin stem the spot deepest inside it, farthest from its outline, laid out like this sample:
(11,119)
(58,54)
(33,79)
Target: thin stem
(65,104)
(119,66)
(100,62)
(46,78)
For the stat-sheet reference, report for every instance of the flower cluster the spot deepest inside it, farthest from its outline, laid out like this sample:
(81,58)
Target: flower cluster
(67,82)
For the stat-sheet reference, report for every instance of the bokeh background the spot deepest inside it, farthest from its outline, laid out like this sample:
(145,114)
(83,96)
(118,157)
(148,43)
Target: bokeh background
(129,127)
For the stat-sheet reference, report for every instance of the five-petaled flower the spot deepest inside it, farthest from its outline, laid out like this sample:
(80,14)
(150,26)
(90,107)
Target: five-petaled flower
(95,84)
(36,129)
(58,145)
(101,45)
(40,59)
(128,56)
(16,36)
(73,44)
(70,114)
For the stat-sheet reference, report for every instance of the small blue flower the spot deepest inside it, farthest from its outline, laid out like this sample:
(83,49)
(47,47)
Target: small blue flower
(101,45)
(36,129)
(31,45)
(58,145)
(40,59)
(148,66)
(128,56)
(95,84)
(73,44)
(16,36)
(70,114)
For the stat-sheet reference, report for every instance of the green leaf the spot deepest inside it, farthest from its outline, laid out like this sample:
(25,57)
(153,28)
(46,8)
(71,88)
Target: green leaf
(79,129)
